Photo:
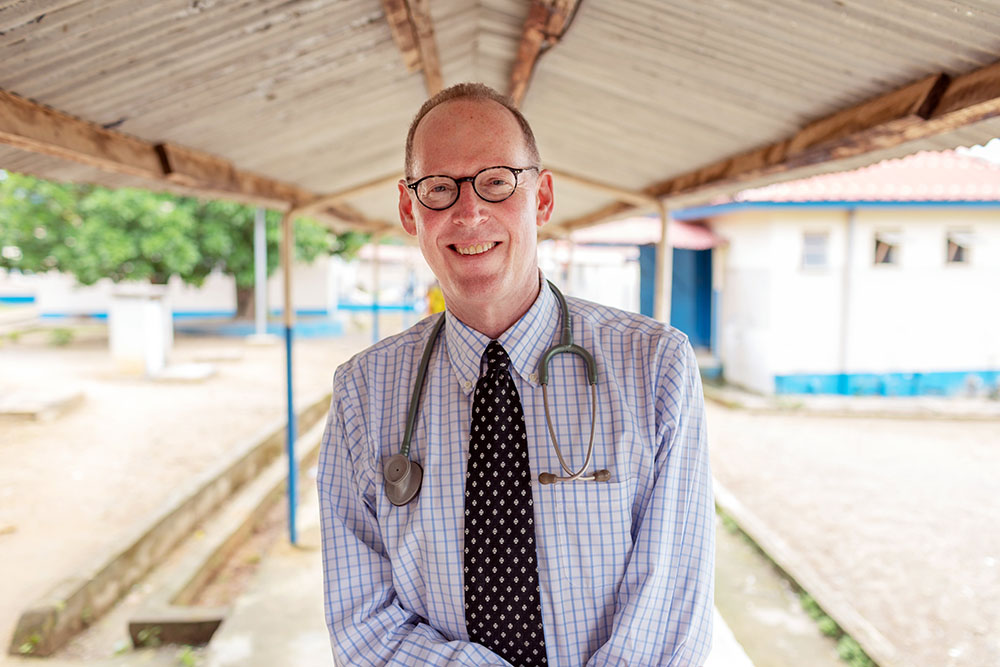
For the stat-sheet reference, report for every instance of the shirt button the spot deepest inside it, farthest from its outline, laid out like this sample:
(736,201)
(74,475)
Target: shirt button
(467,385)
(533,377)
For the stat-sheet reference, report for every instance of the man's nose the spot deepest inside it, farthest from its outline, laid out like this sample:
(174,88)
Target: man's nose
(469,209)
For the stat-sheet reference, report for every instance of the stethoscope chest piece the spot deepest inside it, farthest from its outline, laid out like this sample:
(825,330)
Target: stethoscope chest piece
(402,479)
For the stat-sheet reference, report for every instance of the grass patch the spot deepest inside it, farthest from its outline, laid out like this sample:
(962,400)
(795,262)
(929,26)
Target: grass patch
(847,647)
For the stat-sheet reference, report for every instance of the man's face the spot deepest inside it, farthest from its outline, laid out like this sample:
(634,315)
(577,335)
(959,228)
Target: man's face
(481,252)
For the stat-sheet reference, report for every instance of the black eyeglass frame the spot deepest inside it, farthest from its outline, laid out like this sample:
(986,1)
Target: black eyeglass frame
(470,179)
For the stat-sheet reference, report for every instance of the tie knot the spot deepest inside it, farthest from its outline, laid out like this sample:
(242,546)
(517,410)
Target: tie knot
(496,357)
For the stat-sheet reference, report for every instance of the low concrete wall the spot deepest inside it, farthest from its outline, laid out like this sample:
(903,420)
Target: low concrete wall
(77,602)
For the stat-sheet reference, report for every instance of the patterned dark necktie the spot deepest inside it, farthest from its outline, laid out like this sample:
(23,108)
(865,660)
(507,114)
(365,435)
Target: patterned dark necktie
(502,608)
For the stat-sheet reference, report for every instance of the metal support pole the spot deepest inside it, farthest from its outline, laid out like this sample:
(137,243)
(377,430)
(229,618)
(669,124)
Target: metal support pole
(664,269)
(287,255)
(260,273)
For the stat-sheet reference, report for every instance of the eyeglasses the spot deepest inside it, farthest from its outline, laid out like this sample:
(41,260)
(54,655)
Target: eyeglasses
(493,184)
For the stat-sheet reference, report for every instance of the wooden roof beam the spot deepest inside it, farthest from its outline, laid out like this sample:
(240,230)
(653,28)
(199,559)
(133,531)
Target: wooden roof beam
(34,127)
(546,23)
(621,194)
(334,198)
(413,31)
(398,16)
(934,105)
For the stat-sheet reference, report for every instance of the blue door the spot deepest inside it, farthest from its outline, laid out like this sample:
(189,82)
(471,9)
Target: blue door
(690,293)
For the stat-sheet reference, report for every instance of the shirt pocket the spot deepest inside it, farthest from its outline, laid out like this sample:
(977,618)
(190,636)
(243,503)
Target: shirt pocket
(584,543)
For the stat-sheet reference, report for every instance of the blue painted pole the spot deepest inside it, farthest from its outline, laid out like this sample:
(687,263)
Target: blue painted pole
(290,438)
(287,253)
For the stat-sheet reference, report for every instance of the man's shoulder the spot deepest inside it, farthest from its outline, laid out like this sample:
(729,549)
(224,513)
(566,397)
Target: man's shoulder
(404,342)
(603,318)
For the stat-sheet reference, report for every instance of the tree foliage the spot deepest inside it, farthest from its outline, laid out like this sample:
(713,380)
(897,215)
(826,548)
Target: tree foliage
(135,235)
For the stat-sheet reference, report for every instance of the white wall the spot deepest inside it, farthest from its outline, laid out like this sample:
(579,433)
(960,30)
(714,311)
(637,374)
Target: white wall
(919,315)
(315,286)
(923,314)
(744,309)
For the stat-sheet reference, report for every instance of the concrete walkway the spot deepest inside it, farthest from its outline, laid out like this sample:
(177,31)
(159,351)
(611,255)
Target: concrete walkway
(889,523)
(279,620)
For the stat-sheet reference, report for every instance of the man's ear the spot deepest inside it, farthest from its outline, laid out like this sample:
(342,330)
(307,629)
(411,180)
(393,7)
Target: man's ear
(544,197)
(406,209)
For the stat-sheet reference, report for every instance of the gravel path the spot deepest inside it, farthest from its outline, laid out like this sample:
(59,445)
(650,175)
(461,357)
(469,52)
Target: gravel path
(900,515)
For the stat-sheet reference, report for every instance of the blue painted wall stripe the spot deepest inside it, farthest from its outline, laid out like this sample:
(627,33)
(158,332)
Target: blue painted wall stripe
(936,383)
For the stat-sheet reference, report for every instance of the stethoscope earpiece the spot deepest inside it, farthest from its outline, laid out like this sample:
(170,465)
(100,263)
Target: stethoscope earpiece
(402,479)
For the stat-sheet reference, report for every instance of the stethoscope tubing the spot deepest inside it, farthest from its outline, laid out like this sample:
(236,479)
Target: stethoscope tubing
(403,477)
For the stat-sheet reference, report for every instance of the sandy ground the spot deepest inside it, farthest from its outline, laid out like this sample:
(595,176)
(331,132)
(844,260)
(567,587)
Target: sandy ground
(71,487)
(899,515)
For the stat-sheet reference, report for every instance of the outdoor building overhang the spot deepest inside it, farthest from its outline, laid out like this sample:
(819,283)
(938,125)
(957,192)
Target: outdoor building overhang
(305,106)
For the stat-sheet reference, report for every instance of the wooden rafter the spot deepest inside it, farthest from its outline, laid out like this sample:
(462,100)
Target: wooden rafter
(398,16)
(337,198)
(934,105)
(546,23)
(34,127)
(413,31)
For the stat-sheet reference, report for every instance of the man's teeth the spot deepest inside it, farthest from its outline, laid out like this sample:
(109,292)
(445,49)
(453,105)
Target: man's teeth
(475,249)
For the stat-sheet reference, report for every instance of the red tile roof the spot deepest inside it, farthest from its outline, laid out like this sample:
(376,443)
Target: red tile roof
(924,176)
(643,230)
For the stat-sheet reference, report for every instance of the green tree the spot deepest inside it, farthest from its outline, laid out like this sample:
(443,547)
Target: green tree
(129,234)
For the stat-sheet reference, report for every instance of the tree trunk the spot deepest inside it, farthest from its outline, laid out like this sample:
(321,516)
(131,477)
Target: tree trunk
(245,303)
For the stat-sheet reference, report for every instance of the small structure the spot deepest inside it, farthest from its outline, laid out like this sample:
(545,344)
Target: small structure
(140,328)
(878,281)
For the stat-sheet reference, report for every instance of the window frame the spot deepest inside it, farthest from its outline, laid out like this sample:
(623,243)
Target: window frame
(808,252)
(892,241)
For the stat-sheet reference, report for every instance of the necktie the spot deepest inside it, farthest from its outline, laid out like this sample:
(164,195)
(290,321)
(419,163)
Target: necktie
(502,608)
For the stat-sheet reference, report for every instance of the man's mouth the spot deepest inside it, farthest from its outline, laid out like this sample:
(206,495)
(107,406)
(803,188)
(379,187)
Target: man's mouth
(474,249)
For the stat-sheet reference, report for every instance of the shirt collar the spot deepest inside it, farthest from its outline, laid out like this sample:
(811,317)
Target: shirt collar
(525,342)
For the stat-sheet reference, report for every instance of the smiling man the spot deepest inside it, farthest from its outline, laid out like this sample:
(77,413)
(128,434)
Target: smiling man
(446,540)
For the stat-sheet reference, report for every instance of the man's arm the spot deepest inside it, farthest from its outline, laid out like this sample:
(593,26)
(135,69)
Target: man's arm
(367,624)
(663,612)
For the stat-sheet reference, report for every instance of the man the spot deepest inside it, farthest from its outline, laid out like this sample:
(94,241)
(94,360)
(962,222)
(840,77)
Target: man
(486,566)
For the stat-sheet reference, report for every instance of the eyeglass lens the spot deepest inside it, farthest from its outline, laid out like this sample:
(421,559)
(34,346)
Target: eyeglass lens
(493,185)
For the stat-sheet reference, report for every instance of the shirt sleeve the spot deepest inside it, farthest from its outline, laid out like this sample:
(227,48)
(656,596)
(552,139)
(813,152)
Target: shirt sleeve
(367,624)
(663,612)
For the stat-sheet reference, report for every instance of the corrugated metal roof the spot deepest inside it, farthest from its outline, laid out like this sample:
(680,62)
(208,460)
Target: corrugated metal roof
(315,92)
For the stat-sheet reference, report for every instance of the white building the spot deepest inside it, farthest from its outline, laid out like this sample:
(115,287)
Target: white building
(884,280)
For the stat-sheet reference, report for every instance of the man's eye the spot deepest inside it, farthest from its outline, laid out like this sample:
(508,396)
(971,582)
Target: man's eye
(439,188)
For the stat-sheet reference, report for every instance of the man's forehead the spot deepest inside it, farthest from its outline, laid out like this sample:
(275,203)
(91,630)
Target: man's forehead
(466,127)
(465,110)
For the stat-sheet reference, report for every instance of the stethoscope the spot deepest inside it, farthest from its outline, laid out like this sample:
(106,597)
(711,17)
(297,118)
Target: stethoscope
(403,476)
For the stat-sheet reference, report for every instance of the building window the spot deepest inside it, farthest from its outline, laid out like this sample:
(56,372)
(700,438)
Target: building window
(959,244)
(814,249)
(887,247)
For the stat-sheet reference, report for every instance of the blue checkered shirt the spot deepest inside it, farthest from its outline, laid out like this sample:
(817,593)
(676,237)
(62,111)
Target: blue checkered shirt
(625,567)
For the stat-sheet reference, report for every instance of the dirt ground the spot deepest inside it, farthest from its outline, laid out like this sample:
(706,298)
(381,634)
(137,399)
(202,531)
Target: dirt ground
(72,486)
(899,515)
